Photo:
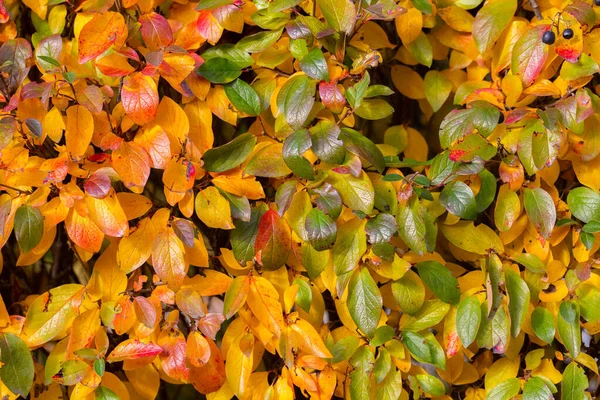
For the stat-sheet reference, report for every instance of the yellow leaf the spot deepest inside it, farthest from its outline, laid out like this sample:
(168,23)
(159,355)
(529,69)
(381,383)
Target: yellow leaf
(263,301)
(50,313)
(80,129)
(145,381)
(136,248)
(83,331)
(213,209)
(134,205)
(409,25)
(200,125)
(500,371)
(239,363)
(210,283)
(167,258)
(173,120)
(108,215)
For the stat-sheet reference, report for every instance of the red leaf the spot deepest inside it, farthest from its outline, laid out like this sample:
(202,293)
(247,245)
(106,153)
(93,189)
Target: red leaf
(98,185)
(132,349)
(273,241)
(155,31)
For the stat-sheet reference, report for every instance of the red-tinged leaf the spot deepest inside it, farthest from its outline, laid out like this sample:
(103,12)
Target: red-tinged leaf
(102,31)
(140,98)
(145,311)
(168,258)
(155,31)
(98,185)
(4,17)
(530,54)
(83,231)
(209,27)
(173,356)
(236,295)
(210,324)
(210,377)
(184,230)
(198,349)
(132,163)
(108,215)
(14,56)
(156,143)
(273,241)
(332,97)
(132,349)
(570,49)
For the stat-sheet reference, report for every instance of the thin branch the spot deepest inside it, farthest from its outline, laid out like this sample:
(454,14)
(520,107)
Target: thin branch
(536,9)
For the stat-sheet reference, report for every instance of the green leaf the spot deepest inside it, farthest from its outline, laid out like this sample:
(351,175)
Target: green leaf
(315,66)
(431,385)
(49,60)
(574,383)
(303,295)
(437,89)
(363,147)
(378,90)
(364,301)
(424,6)
(591,227)
(374,109)
(585,66)
(383,364)
(421,49)
(439,280)
(350,245)
(382,335)
(244,234)
(29,227)
(239,205)
(294,147)
(540,210)
(530,261)
(104,393)
(17,370)
(536,389)
(357,193)
(219,70)
(230,52)
(468,319)
(542,323)
(321,230)
(487,192)
(381,228)
(491,21)
(459,123)
(417,345)
(567,322)
(518,304)
(363,362)
(259,41)
(411,226)
(356,93)
(505,390)
(230,155)
(409,293)
(295,100)
(329,200)
(325,142)
(209,4)
(339,14)
(458,199)
(344,348)
(588,300)
(508,209)
(584,204)
(431,314)
(243,97)
(99,367)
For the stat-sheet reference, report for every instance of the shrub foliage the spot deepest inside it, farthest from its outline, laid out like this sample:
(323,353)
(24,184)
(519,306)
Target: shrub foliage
(299,198)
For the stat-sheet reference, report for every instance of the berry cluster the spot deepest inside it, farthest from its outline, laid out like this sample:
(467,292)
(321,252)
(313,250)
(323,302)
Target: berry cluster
(549,37)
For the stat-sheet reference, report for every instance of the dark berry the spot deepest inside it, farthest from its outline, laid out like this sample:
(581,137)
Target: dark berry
(597,2)
(568,33)
(549,37)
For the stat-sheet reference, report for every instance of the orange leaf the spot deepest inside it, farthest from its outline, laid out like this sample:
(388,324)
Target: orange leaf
(83,231)
(140,98)
(132,163)
(133,349)
(100,33)
(198,349)
(84,330)
(108,215)
(211,376)
(156,143)
(173,356)
(144,311)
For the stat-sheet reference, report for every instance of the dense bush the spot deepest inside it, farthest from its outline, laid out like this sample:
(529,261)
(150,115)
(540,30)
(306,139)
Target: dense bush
(286,199)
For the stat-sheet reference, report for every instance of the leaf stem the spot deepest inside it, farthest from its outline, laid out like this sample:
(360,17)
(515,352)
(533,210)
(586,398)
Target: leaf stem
(536,9)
